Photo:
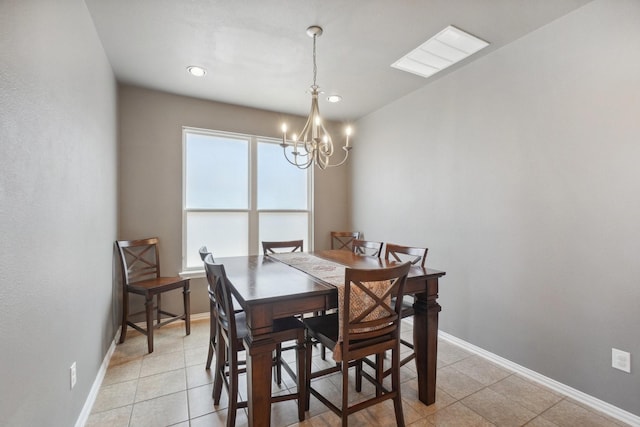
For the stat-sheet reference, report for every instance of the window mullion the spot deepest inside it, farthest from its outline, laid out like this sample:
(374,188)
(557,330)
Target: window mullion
(254,219)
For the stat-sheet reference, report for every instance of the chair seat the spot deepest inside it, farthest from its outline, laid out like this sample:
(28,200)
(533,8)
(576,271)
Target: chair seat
(140,269)
(159,284)
(323,328)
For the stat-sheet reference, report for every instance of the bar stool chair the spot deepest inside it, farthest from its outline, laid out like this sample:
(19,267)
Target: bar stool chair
(367,324)
(140,263)
(274,247)
(343,239)
(416,256)
(367,247)
(231,331)
(213,313)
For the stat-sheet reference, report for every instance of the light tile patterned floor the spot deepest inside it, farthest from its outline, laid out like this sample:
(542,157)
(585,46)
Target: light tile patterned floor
(171,387)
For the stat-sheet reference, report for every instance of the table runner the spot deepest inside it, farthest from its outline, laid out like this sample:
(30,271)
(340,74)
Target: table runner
(333,273)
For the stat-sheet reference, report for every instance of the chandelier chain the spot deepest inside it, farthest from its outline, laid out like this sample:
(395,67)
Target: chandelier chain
(315,66)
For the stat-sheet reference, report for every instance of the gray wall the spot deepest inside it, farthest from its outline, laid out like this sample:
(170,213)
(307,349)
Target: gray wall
(150,201)
(521,174)
(57,209)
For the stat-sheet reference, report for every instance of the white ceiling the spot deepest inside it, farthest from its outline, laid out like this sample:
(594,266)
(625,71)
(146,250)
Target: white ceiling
(257,53)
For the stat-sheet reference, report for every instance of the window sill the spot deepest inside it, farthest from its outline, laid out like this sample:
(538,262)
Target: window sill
(192,274)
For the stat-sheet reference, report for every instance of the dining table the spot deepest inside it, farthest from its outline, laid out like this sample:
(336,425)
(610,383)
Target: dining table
(269,289)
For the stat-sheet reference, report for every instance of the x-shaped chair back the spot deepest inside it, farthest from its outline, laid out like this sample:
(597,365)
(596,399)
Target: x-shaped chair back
(369,316)
(140,260)
(367,247)
(343,239)
(290,245)
(406,253)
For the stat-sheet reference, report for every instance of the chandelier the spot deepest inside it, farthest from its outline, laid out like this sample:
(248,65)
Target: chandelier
(313,145)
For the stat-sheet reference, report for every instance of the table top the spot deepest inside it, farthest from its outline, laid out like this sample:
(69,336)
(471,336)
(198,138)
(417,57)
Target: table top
(258,279)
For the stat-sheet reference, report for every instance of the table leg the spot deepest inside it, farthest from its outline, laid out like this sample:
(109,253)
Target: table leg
(425,325)
(259,364)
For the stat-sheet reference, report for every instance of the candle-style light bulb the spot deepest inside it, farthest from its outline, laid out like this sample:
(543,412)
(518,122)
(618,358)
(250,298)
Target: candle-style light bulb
(284,128)
(348,132)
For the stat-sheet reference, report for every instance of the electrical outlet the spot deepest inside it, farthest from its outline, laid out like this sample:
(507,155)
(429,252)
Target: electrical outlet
(621,360)
(72,374)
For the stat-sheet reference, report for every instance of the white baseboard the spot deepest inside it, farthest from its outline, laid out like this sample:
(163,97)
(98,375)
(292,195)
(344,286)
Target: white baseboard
(97,383)
(597,404)
(95,388)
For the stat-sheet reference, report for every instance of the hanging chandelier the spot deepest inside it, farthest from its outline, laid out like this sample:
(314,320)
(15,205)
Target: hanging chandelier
(313,145)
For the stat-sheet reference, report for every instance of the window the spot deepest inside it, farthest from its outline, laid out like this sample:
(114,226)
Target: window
(239,190)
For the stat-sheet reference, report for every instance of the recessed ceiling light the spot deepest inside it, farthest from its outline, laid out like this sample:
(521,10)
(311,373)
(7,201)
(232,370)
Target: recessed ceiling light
(334,98)
(194,70)
(449,46)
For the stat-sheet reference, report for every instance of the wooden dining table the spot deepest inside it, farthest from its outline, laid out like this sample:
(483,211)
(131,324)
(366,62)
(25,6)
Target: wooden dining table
(268,289)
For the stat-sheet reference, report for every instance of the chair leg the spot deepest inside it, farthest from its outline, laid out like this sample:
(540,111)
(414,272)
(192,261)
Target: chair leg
(213,323)
(359,375)
(159,303)
(379,372)
(345,393)
(125,313)
(221,361)
(149,312)
(187,308)
(233,387)
(279,364)
(307,373)
(301,354)
(395,385)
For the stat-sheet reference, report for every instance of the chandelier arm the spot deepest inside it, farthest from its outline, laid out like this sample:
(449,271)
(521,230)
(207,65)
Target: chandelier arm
(346,156)
(304,165)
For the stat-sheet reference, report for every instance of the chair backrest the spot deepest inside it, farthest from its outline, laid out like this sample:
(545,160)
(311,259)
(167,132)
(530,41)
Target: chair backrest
(203,252)
(367,247)
(406,253)
(139,259)
(370,315)
(343,239)
(290,245)
(219,283)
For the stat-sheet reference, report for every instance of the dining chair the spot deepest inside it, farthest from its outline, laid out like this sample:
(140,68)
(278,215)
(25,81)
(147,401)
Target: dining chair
(367,247)
(368,324)
(232,330)
(343,239)
(275,247)
(416,256)
(204,252)
(140,264)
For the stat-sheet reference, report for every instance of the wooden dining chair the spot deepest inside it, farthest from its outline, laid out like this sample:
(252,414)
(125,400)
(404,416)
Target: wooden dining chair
(342,239)
(232,330)
(367,247)
(416,256)
(140,264)
(370,325)
(204,252)
(276,247)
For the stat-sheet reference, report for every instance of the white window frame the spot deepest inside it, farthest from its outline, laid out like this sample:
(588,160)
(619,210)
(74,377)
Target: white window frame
(254,213)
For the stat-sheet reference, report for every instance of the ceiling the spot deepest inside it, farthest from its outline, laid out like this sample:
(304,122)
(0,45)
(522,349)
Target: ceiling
(257,53)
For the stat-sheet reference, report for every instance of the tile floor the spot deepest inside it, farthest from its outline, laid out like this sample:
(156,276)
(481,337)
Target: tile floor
(171,387)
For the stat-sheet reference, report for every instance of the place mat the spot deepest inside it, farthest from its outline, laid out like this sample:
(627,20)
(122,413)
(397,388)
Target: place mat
(333,273)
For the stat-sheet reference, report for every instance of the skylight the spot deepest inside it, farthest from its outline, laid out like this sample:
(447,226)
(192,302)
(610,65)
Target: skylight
(449,46)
